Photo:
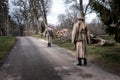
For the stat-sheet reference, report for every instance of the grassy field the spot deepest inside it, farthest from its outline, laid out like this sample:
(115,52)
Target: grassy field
(6,44)
(108,57)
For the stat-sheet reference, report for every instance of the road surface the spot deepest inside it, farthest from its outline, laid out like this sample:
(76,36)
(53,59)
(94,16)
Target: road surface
(31,59)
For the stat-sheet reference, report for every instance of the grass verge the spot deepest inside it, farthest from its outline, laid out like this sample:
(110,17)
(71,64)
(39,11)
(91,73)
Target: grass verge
(6,44)
(38,36)
(107,57)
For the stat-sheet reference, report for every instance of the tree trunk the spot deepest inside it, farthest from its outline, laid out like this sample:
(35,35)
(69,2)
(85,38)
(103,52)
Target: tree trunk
(36,20)
(38,27)
(117,37)
(21,30)
(44,11)
(82,10)
(7,27)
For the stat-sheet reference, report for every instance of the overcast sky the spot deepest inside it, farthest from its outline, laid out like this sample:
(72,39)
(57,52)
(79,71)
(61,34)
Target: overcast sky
(58,7)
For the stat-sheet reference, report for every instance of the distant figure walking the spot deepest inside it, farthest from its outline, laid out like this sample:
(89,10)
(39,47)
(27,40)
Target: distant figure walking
(49,35)
(80,36)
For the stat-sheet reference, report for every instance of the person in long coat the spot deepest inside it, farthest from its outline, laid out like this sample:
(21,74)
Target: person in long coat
(80,37)
(49,34)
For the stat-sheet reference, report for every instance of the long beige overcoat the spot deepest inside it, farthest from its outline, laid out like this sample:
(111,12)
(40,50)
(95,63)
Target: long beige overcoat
(80,34)
(49,34)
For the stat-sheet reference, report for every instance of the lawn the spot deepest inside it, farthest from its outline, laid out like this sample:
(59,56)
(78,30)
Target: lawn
(6,44)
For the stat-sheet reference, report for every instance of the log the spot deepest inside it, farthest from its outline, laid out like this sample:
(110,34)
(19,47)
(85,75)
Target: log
(100,41)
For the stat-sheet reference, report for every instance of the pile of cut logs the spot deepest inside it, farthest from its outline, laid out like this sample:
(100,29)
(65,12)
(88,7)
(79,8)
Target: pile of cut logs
(100,41)
(64,34)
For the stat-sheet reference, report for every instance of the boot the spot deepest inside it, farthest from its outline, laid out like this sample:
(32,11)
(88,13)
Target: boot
(49,44)
(79,62)
(85,61)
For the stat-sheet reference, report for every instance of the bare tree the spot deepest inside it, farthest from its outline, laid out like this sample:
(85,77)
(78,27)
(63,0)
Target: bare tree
(24,11)
(67,20)
(45,6)
(32,11)
(78,5)
(35,10)
(19,19)
(4,18)
(39,8)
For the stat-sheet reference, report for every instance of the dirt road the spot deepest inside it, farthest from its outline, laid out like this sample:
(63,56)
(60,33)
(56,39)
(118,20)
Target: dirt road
(31,59)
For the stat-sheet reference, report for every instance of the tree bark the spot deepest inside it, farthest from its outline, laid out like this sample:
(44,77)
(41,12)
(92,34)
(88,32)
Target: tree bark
(36,20)
(82,10)
(44,11)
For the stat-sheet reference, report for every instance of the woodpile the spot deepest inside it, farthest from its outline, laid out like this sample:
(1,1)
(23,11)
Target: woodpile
(65,35)
(61,33)
(102,42)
